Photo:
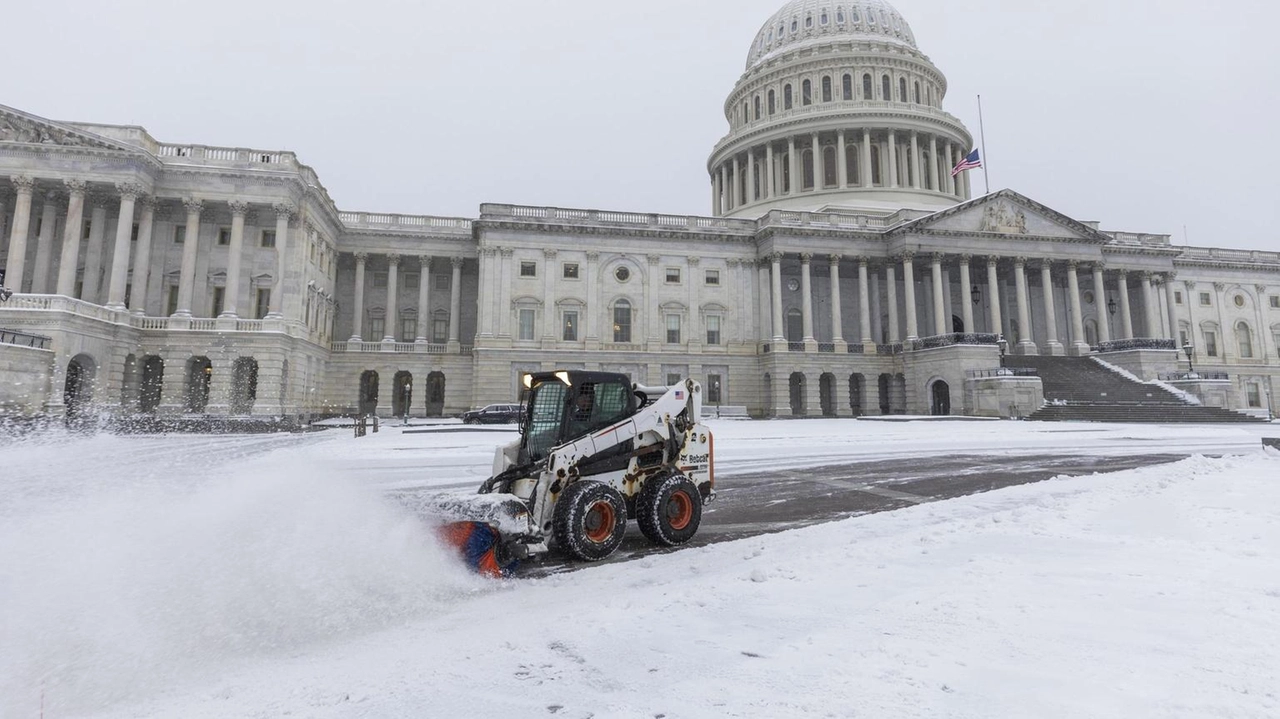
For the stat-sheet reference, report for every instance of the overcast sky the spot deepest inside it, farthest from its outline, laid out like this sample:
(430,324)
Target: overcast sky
(1147,115)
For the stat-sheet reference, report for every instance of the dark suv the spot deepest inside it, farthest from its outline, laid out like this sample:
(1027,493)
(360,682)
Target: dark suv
(494,414)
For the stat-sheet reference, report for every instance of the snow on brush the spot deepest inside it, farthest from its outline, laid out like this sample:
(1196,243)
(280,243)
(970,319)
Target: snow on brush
(273,583)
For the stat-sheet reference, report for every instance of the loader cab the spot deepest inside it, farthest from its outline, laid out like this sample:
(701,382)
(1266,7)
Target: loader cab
(563,406)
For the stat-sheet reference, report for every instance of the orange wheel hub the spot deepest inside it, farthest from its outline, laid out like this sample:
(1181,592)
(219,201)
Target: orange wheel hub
(599,522)
(679,510)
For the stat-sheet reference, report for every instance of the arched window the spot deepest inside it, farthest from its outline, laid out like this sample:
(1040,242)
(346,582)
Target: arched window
(746,112)
(1244,338)
(756,169)
(857,16)
(757,106)
(824,19)
(866,87)
(829,169)
(806,92)
(840,16)
(886,89)
(917,92)
(826,89)
(795,26)
(848,87)
(806,174)
(786,172)
(876,174)
(772,102)
(786,97)
(808,21)
(851,164)
(902,89)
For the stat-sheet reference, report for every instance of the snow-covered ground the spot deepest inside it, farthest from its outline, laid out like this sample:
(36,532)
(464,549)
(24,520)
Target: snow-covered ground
(268,576)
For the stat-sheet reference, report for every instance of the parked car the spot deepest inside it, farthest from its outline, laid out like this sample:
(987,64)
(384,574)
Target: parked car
(494,414)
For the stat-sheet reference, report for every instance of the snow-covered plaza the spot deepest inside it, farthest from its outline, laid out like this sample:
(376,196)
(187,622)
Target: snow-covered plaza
(271,576)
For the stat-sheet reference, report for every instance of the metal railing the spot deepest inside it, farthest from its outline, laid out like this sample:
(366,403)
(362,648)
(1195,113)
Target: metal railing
(1003,372)
(795,347)
(1135,344)
(890,349)
(928,343)
(1194,377)
(826,348)
(22,339)
(857,349)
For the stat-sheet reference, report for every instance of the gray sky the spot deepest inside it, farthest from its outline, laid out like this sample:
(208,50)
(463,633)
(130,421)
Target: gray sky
(1147,115)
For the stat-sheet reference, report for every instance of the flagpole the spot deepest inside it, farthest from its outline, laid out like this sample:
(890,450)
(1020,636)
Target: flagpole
(986,159)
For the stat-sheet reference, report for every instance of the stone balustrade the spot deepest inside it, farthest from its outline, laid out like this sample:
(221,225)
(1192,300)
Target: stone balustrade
(377,221)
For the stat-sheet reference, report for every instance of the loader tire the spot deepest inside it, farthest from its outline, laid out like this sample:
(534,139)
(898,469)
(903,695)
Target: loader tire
(589,521)
(669,510)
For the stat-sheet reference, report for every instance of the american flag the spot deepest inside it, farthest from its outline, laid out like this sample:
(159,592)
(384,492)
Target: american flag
(971,161)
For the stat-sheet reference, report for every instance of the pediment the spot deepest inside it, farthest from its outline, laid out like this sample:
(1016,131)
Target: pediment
(21,127)
(1006,213)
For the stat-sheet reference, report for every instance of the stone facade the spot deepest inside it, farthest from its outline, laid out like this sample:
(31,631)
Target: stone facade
(841,271)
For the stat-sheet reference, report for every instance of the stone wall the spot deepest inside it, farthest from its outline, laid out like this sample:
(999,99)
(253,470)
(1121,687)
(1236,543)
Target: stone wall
(24,380)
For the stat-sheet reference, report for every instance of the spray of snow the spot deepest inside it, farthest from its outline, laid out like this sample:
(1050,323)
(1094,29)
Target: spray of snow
(116,583)
(1180,394)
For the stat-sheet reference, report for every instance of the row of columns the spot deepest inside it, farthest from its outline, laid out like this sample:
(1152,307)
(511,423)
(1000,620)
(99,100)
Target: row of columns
(393,300)
(733,181)
(941,317)
(132,196)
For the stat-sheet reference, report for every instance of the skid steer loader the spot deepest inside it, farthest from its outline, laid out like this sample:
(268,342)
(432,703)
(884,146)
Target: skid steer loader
(595,450)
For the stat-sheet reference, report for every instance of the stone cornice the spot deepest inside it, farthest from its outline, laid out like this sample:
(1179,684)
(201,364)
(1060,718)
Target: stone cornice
(606,231)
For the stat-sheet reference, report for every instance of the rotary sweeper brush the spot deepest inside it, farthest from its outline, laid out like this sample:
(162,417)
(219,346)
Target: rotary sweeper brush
(594,451)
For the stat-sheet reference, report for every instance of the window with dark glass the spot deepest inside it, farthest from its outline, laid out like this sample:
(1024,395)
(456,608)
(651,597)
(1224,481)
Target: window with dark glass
(570,326)
(571,270)
(866,87)
(622,322)
(786,97)
(848,87)
(772,102)
(224,235)
(673,329)
(528,269)
(806,92)
(268,238)
(713,277)
(713,330)
(886,88)
(902,89)
(826,89)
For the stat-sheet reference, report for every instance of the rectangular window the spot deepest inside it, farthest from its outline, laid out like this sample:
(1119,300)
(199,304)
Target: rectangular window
(1205,299)
(1182,338)
(526,324)
(377,329)
(1211,343)
(408,329)
(179,234)
(1177,297)
(268,238)
(380,280)
(570,324)
(443,282)
(133,234)
(673,275)
(673,379)
(171,300)
(1275,337)
(411,281)
(219,296)
(528,269)
(224,235)
(673,329)
(440,330)
(1254,394)
(713,277)
(88,227)
(571,270)
(715,384)
(1275,302)
(622,323)
(713,330)
(262,303)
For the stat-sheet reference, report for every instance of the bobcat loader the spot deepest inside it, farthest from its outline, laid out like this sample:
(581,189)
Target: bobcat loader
(595,451)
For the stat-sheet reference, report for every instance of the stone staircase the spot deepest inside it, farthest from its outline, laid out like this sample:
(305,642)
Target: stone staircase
(1078,389)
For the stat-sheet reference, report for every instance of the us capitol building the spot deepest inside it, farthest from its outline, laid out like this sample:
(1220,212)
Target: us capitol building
(841,270)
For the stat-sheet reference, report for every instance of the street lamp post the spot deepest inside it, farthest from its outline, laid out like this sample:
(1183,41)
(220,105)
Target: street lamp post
(1003,344)
(1190,352)
(408,390)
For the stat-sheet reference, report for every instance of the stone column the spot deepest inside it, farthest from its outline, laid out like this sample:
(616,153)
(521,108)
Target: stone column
(90,283)
(842,161)
(1126,314)
(893,159)
(891,298)
(424,300)
(776,286)
(939,305)
(1173,315)
(864,307)
(393,299)
(69,259)
(1051,346)
(721,183)
(235,253)
(866,177)
(692,336)
(806,296)
(504,292)
(794,189)
(909,289)
(837,314)
(650,312)
(993,293)
(284,213)
(949,182)
(1079,346)
(966,294)
(818,174)
(716,210)
(455,304)
(933,162)
(15,263)
(915,160)
(40,279)
(1100,302)
(1151,305)
(737,184)
(764,300)
(142,257)
(549,333)
(770,173)
(190,252)
(357,309)
(129,194)
(594,312)
(1026,340)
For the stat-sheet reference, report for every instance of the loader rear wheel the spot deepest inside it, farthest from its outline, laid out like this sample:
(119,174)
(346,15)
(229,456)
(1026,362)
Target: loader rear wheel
(590,520)
(669,510)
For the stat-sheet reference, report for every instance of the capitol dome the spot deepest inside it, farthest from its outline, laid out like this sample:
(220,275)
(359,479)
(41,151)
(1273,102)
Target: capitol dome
(837,110)
(806,22)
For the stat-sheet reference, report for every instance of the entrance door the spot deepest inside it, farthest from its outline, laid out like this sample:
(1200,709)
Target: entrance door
(940,402)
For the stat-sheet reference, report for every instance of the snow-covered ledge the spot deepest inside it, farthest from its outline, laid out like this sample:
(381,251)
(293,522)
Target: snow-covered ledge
(1212,389)
(1141,358)
(1004,392)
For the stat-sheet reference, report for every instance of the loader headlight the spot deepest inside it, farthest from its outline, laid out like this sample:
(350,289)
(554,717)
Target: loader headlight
(528,381)
(564,377)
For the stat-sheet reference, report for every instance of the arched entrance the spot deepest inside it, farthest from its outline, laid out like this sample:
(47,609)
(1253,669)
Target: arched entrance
(199,376)
(939,399)
(368,403)
(435,394)
(886,404)
(856,383)
(77,391)
(797,395)
(899,394)
(151,385)
(244,385)
(402,394)
(957,325)
(827,394)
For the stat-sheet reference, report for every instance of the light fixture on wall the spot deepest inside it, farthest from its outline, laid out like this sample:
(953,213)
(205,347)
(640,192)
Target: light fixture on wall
(1111,306)
(976,294)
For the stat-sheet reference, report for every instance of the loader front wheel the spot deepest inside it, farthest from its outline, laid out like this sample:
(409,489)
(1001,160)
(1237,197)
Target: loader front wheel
(590,520)
(669,510)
